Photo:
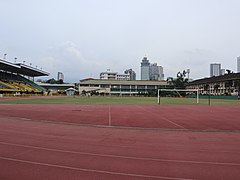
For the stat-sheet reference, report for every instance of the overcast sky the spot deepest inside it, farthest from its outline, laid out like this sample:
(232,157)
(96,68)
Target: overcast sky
(82,38)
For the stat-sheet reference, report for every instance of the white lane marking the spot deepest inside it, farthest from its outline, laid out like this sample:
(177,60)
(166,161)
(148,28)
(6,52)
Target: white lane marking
(163,118)
(109,116)
(123,157)
(166,119)
(91,170)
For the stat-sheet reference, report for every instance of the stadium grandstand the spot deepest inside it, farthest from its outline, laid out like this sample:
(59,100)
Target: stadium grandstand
(18,78)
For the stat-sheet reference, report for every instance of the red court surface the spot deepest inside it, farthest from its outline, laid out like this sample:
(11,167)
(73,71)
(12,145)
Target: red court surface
(164,142)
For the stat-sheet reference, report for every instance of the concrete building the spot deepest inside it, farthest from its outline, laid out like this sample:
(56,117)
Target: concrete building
(156,72)
(56,88)
(108,75)
(132,74)
(60,76)
(215,69)
(238,64)
(151,71)
(117,87)
(227,84)
(145,69)
(222,71)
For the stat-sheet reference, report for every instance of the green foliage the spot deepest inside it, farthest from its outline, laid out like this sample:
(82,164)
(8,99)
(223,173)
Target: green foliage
(178,83)
(53,81)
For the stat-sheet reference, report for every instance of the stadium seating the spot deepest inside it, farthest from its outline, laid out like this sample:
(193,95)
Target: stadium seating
(12,83)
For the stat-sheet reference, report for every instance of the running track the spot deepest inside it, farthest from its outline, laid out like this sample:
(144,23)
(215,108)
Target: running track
(35,146)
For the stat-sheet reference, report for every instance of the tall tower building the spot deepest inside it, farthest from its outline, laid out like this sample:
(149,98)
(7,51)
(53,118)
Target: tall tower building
(145,69)
(215,69)
(238,64)
(60,76)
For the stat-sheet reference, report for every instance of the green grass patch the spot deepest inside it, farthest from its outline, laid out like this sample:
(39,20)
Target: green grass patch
(117,100)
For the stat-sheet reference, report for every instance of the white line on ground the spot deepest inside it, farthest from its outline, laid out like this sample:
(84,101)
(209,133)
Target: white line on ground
(123,157)
(109,116)
(164,118)
(91,170)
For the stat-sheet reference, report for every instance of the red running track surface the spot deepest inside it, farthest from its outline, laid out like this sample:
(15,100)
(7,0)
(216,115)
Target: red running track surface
(48,150)
(210,118)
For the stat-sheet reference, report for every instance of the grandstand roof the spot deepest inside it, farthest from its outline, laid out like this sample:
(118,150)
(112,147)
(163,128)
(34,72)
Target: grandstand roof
(7,66)
(21,69)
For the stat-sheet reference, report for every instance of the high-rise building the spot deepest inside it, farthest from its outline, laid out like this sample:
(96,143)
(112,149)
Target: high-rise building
(156,72)
(151,71)
(132,74)
(222,71)
(145,69)
(238,64)
(60,76)
(215,69)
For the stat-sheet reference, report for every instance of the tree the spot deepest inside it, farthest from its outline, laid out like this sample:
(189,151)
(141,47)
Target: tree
(228,71)
(53,81)
(170,81)
(60,81)
(180,82)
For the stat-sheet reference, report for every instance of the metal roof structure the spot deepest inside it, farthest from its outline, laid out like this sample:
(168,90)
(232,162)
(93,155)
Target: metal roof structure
(21,68)
(222,78)
(7,66)
(55,85)
(116,82)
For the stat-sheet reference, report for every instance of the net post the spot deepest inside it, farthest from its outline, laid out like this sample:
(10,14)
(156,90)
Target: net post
(158,96)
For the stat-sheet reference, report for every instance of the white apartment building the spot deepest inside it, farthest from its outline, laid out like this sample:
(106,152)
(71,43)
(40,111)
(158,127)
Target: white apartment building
(108,75)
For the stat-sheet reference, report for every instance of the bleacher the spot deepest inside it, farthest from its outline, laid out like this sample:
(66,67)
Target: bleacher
(31,83)
(17,83)
(12,80)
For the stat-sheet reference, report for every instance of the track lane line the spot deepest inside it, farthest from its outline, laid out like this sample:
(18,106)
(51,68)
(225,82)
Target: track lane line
(91,170)
(163,118)
(109,116)
(123,157)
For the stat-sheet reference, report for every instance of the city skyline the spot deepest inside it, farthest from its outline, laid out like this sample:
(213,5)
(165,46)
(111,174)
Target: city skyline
(82,38)
(151,71)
